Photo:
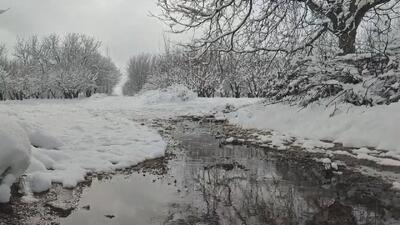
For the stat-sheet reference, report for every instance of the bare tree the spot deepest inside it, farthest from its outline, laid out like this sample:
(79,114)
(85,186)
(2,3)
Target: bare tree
(55,67)
(139,69)
(271,25)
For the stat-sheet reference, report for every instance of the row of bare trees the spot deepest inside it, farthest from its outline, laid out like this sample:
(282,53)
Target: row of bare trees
(56,67)
(295,50)
(280,76)
(302,51)
(139,70)
(213,74)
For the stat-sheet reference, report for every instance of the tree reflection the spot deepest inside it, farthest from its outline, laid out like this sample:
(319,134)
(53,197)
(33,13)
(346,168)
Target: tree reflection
(241,185)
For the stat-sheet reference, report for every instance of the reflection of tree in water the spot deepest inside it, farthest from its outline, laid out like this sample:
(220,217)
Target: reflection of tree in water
(236,197)
(245,186)
(366,199)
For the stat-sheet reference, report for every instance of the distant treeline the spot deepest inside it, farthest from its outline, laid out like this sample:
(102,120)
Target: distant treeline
(55,67)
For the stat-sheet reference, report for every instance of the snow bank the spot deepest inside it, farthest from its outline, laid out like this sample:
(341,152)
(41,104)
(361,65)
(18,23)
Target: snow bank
(95,141)
(353,126)
(176,93)
(15,151)
(71,139)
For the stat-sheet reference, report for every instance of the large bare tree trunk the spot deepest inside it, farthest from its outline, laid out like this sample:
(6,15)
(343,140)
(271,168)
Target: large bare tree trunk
(347,42)
(345,18)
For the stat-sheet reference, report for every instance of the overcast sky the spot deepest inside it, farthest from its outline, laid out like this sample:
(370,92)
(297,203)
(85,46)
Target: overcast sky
(123,26)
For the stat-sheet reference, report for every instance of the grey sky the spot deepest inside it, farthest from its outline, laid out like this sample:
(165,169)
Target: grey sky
(122,25)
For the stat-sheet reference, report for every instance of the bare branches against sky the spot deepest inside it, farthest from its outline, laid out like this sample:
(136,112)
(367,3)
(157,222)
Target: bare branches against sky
(124,26)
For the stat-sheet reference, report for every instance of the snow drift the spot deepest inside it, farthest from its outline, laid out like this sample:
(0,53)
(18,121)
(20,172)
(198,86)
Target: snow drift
(15,152)
(175,93)
(63,141)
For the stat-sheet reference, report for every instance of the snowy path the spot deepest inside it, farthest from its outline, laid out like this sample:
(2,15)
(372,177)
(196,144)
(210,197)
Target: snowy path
(76,137)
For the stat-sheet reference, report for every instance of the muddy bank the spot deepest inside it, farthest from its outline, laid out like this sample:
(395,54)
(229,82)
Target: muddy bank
(205,180)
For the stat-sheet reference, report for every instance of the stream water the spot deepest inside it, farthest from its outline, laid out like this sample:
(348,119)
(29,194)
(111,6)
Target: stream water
(210,183)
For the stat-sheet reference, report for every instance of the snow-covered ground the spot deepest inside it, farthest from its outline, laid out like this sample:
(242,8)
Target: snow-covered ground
(71,138)
(368,128)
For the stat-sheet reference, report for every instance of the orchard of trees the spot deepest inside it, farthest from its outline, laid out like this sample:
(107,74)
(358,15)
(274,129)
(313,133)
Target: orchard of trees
(56,67)
(297,51)
(139,70)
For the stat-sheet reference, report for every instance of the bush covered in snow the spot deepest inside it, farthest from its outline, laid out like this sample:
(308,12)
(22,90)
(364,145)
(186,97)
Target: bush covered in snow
(15,153)
(362,79)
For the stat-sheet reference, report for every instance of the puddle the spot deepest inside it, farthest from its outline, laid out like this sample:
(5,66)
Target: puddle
(132,199)
(208,183)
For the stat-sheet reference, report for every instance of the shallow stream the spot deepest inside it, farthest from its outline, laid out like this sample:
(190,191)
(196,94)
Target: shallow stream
(210,183)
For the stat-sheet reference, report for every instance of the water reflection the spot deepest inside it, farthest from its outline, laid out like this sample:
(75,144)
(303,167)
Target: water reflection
(124,200)
(212,184)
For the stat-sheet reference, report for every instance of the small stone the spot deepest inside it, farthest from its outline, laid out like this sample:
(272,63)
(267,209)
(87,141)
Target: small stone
(109,216)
